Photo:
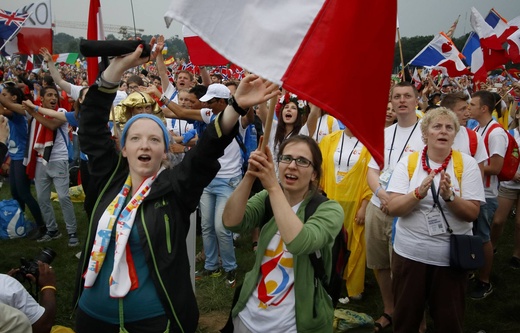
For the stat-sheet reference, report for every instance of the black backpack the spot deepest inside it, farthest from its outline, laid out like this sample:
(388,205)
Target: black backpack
(340,254)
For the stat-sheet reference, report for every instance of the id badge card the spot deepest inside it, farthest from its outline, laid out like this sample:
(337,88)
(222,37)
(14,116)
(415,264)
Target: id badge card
(385,176)
(436,225)
(339,176)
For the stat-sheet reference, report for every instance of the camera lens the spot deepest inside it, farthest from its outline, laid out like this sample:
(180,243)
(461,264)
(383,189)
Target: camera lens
(47,256)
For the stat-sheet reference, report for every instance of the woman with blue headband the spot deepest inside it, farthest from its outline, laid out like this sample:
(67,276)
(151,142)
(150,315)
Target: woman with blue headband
(134,271)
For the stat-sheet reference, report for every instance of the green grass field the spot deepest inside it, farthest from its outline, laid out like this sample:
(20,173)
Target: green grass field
(499,313)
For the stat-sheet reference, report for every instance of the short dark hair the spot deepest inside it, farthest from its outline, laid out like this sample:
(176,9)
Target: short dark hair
(451,99)
(486,99)
(199,90)
(15,91)
(50,87)
(135,79)
(48,80)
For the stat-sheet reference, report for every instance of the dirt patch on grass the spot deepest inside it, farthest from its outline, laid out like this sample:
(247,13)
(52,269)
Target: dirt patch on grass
(213,321)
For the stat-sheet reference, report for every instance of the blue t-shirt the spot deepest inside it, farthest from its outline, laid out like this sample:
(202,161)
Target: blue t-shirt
(138,304)
(17,136)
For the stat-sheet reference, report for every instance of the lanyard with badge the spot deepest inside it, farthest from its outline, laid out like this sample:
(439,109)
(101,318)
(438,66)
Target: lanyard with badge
(384,178)
(341,174)
(436,225)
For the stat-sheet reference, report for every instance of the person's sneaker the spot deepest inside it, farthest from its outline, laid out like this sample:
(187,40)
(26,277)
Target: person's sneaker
(49,235)
(481,290)
(73,240)
(514,263)
(207,272)
(36,233)
(231,278)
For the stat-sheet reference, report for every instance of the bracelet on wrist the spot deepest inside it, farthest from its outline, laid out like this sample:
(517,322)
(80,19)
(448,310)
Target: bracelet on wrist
(36,108)
(417,194)
(377,190)
(165,100)
(102,82)
(48,287)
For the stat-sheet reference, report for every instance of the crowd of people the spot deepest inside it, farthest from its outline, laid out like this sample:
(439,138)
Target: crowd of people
(154,146)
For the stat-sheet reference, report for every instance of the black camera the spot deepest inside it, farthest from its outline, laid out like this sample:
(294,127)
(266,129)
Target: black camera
(47,255)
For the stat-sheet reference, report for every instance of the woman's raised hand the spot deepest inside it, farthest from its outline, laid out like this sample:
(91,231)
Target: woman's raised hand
(254,90)
(119,65)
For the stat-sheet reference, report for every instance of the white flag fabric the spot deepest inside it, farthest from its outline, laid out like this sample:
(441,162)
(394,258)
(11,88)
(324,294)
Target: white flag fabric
(303,44)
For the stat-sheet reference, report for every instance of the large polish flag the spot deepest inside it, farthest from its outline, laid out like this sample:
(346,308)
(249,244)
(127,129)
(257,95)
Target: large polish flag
(94,32)
(36,31)
(305,45)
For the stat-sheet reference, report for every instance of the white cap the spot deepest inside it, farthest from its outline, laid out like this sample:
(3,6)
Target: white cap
(216,90)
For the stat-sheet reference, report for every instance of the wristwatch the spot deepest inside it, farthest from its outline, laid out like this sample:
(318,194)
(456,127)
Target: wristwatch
(450,198)
(231,101)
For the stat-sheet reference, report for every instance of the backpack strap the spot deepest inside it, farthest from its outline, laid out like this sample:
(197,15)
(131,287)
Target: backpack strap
(458,166)
(412,163)
(317,199)
(473,141)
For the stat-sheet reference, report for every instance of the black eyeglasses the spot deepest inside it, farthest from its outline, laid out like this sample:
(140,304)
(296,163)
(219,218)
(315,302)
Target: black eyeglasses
(300,161)
(211,101)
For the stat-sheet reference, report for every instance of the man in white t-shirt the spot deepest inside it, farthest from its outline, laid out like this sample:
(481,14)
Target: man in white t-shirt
(466,141)
(13,293)
(481,106)
(401,139)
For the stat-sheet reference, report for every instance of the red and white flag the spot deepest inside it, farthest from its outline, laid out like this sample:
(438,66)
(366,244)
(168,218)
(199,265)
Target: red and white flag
(303,45)
(201,54)
(29,64)
(36,31)
(513,41)
(491,54)
(487,35)
(94,32)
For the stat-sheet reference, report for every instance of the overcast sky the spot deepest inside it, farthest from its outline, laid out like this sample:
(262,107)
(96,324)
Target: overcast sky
(416,17)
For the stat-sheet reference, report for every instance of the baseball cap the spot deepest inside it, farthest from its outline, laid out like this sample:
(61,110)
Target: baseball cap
(216,90)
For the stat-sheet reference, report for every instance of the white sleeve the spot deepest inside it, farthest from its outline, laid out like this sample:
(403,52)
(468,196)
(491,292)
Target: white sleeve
(481,153)
(75,91)
(400,180)
(206,113)
(14,294)
(472,187)
(373,164)
(497,143)
(304,130)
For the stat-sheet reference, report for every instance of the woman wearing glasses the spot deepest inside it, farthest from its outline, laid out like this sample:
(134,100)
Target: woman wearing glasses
(279,293)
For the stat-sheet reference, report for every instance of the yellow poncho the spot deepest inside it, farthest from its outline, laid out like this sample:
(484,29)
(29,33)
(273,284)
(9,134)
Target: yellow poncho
(350,192)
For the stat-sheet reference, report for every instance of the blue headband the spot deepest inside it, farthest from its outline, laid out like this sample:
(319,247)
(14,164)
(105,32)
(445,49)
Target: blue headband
(151,117)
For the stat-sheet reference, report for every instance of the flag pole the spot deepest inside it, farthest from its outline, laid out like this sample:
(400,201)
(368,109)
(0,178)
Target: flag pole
(133,18)
(400,52)
(269,122)
(15,32)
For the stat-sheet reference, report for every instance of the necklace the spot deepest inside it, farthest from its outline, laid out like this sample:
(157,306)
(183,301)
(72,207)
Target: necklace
(426,165)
